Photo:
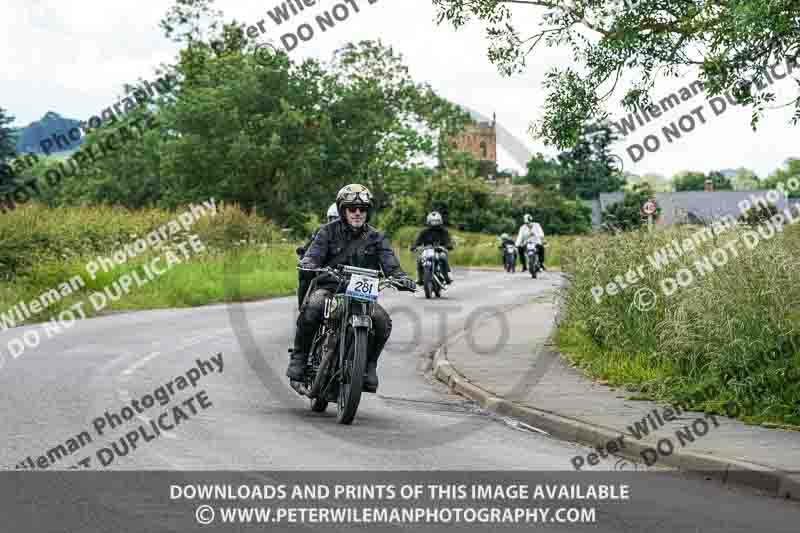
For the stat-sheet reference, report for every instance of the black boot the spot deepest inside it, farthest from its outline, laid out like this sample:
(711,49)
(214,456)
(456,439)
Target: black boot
(371,377)
(297,366)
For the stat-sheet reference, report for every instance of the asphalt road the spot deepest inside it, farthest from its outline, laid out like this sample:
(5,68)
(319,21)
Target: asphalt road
(255,422)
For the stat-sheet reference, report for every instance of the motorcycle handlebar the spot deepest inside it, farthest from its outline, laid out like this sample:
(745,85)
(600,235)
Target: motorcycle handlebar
(395,282)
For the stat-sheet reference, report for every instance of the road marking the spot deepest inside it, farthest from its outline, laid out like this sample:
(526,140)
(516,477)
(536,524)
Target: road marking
(128,371)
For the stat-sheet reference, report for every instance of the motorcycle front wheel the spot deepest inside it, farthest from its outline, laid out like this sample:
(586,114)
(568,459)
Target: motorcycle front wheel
(352,380)
(428,282)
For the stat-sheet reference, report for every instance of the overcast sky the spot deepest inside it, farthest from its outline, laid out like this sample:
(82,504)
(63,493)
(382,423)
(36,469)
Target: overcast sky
(73,57)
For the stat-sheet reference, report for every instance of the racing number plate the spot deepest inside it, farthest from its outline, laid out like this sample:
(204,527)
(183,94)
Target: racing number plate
(362,288)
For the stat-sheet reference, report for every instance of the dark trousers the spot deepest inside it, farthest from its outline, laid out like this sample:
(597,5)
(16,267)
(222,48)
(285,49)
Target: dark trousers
(540,251)
(310,319)
(304,280)
(523,256)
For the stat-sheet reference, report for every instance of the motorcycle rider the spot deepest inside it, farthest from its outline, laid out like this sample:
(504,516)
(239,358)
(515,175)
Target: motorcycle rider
(304,278)
(347,241)
(528,230)
(437,235)
(505,239)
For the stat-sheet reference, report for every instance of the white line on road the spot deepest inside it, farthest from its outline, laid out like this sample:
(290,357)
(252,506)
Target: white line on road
(128,371)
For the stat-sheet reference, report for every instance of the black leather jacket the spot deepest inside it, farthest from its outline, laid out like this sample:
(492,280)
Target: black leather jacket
(437,235)
(335,236)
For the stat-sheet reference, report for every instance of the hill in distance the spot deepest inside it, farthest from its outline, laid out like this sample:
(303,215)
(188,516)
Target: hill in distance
(29,138)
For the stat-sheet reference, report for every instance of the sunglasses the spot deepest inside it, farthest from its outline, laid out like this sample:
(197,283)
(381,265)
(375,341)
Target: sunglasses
(358,208)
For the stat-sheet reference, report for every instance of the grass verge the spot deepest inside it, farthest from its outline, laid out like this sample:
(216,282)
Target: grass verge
(732,334)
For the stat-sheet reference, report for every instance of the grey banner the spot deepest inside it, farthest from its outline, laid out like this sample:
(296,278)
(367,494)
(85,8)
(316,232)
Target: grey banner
(376,501)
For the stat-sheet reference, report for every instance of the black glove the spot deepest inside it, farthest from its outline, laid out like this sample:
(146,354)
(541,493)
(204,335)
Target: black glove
(300,251)
(407,284)
(413,249)
(450,247)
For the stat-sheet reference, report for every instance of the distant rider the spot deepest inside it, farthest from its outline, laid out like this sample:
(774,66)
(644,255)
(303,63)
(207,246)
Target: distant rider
(347,241)
(436,235)
(530,230)
(304,278)
(505,240)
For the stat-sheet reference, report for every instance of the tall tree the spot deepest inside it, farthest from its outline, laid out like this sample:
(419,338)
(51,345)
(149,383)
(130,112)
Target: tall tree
(7,140)
(281,138)
(543,172)
(589,168)
(733,44)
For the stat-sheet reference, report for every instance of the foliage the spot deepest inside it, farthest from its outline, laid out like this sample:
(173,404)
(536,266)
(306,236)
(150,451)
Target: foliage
(543,172)
(695,181)
(732,43)
(782,176)
(460,199)
(279,139)
(730,332)
(405,211)
(34,234)
(745,180)
(556,214)
(7,140)
(584,171)
(657,182)
(588,167)
(626,215)
(758,214)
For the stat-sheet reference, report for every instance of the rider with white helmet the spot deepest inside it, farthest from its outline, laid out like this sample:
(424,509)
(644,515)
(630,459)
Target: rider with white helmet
(437,235)
(304,278)
(530,230)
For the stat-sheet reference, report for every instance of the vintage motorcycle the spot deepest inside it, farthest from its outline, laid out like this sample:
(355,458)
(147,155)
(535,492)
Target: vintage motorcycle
(338,356)
(510,257)
(432,280)
(533,258)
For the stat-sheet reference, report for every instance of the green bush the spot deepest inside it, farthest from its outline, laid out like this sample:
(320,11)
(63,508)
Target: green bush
(758,214)
(405,211)
(626,215)
(556,214)
(33,234)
